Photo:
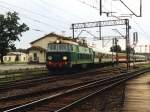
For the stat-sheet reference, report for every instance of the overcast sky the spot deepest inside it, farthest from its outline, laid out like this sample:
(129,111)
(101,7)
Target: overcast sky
(45,16)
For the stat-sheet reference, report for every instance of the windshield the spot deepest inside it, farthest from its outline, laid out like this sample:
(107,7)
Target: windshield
(59,47)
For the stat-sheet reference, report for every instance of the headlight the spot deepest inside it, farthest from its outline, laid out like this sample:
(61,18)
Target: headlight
(65,58)
(50,57)
(57,41)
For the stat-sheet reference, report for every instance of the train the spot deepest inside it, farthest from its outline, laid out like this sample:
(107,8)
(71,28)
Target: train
(68,54)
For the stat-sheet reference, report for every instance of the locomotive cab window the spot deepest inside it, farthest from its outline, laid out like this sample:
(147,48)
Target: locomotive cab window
(59,47)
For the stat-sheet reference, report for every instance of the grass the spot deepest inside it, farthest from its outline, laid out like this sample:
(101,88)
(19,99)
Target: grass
(21,74)
(18,62)
(146,65)
(7,72)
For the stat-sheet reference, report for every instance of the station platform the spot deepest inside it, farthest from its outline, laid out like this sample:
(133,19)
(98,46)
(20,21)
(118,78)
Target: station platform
(5,67)
(137,94)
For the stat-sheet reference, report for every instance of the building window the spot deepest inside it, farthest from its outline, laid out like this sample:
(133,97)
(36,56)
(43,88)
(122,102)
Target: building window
(5,58)
(24,58)
(9,59)
(17,57)
(35,56)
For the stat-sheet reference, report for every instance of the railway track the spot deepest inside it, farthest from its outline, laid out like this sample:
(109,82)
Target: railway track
(60,100)
(11,101)
(53,78)
(14,101)
(32,81)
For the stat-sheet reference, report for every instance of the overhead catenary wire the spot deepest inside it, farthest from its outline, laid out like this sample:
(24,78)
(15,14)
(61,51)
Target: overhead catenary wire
(65,12)
(138,28)
(34,13)
(47,17)
(98,9)
(92,6)
(85,3)
(45,9)
(32,19)
(141,30)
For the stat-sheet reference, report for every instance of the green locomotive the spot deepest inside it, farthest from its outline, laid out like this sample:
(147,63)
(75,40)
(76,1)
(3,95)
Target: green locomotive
(70,54)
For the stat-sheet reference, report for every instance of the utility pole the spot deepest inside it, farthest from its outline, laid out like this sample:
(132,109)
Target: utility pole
(149,48)
(135,41)
(100,7)
(113,52)
(100,31)
(140,46)
(115,44)
(133,13)
(145,48)
(149,53)
(73,31)
(127,44)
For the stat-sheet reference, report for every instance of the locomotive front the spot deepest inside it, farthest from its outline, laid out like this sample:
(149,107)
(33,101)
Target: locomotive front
(58,56)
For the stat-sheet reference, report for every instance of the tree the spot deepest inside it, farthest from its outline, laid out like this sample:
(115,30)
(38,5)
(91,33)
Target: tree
(115,48)
(130,49)
(10,30)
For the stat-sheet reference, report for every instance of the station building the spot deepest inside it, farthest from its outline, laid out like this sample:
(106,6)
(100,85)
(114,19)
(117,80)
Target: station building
(15,57)
(37,51)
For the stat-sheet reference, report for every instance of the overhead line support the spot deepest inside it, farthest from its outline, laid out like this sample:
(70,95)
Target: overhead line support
(107,23)
(140,15)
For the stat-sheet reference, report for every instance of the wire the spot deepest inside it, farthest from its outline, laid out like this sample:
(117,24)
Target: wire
(141,29)
(138,26)
(85,3)
(35,20)
(47,4)
(55,16)
(32,12)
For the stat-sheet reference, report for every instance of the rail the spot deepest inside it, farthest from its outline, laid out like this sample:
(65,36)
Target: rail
(110,82)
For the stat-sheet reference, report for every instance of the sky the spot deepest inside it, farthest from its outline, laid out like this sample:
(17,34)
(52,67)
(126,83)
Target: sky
(46,16)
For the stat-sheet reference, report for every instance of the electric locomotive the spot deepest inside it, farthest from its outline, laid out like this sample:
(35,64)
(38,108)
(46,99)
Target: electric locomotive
(67,54)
